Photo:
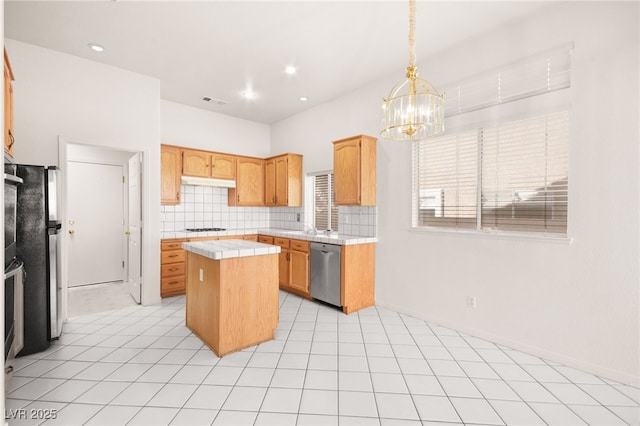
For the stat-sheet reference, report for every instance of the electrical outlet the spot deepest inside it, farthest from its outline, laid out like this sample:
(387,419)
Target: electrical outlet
(471,301)
(346,219)
(297,217)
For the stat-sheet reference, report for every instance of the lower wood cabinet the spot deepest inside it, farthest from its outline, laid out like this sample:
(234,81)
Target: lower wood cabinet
(299,266)
(172,268)
(357,274)
(357,277)
(293,265)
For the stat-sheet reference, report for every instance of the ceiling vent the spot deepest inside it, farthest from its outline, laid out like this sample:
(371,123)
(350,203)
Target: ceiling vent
(214,100)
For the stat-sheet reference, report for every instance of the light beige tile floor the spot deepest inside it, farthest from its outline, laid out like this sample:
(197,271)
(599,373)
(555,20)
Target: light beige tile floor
(141,365)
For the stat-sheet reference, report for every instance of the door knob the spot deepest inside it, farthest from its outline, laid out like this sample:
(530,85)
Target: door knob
(71,231)
(127,233)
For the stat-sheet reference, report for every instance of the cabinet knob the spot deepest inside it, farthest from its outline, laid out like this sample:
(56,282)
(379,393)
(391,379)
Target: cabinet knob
(127,233)
(71,231)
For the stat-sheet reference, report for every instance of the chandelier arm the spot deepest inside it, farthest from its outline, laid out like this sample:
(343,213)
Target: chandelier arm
(412,33)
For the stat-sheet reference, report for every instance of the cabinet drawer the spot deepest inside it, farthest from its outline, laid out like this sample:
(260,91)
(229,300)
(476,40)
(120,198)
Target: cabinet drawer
(282,242)
(265,239)
(300,245)
(251,237)
(172,245)
(173,269)
(173,256)
(172,284)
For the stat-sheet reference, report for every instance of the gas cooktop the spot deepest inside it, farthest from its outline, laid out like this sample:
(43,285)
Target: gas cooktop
(204,229)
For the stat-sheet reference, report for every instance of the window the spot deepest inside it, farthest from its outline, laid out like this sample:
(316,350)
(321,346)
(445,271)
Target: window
(512,176)
(325,211)
(493,173)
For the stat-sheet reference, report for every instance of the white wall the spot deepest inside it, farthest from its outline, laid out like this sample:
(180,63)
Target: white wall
(574,303)
(186,126)
(86,102)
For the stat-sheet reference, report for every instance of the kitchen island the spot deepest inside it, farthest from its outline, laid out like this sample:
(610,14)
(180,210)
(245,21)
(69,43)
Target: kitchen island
(232,293)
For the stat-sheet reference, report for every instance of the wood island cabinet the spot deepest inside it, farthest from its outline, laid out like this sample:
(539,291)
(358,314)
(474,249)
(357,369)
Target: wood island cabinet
(249,190)
(232,303)
(9,138)
(283,180)
(354,171)
(170,172)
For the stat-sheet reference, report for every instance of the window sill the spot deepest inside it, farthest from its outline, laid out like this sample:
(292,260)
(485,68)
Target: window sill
(520,236)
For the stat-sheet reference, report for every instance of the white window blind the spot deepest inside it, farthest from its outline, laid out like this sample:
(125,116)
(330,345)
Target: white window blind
(446,175)
(519,168)
(543,73)
(525,175)
(325,209)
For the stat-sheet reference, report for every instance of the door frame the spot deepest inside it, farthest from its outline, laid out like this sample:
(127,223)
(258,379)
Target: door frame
(62,160)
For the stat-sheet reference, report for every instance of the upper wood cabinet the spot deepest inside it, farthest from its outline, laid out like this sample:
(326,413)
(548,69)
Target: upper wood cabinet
(283,180)
(249,190)
(208,164)
(196,163)
(354,171)
(170,171)
(8,107)
(223,166)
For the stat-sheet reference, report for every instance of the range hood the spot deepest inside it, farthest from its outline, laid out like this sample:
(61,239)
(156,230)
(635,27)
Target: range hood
(220,183)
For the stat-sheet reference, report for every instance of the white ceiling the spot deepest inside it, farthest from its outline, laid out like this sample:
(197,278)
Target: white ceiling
(220,48)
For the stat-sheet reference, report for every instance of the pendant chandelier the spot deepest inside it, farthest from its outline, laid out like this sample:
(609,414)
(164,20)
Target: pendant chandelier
(414,109)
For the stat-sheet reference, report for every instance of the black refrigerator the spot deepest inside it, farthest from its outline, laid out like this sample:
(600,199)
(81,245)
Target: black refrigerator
(38,228)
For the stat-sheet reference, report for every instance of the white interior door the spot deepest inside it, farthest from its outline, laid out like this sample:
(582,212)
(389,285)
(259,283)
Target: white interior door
(96,223)
(134,279)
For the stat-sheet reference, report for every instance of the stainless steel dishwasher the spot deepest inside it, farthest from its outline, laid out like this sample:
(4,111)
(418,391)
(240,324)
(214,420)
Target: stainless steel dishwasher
(325,272)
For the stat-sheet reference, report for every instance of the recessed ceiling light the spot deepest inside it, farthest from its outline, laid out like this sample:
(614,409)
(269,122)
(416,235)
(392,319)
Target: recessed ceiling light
(303,99)
(96,47)
(290,69)
(249,94)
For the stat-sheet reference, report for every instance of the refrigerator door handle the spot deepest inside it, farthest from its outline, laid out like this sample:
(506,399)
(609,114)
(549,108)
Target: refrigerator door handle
(12,179)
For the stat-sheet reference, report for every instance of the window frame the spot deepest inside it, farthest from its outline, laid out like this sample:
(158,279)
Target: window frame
(479,230)
(311,200)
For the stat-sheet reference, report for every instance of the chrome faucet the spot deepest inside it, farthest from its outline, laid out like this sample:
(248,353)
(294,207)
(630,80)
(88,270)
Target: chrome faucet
(310,230)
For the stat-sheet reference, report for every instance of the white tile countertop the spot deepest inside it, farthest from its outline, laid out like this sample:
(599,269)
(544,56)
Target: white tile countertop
(227,249)
(333,238)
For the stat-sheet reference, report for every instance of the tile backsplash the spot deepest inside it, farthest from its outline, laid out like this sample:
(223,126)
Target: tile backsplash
(287,218)
(206,207)
(360,221)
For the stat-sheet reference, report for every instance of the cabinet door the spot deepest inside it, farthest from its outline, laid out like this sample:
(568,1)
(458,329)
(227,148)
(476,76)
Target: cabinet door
(346,172)
(8,107)
(283,268)
(223,166)
(196,163)
(250,182)
(299,262)
(170,171)
(270,182)
(282,180)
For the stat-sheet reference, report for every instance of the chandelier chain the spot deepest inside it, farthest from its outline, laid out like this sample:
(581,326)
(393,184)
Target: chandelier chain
(412,33)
